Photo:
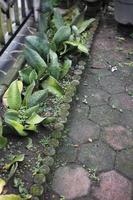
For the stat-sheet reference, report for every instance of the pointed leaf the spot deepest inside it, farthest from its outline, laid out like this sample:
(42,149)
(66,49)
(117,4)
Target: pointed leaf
(17,126)
(35,119)
(3,140)
(38,97)
(11,115)
(33,76)
(5,97)
(38,44)
(12,171)
(17,158)
(65,68)
(2,184)
(62,35)
(58,19)
(85,24)
(79,45)
(54,67)
(28,94)
(53,86)
(24,74)
(32,110)
(35,60)
(10,197)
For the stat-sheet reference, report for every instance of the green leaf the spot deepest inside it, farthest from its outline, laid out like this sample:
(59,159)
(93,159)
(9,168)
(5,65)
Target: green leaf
(4,99)
(14,96)
(31,110)
(3,140)
(11,115)
(35,119)
(37,97)
(35,60)
(62,35)
(53,86)
(65,68)
(31,127)
(25,73)
(79,45)
(17,158)
(30,144)
(17,126)
(28,94)
(12,171)
(54,67)
(38,44)
(33,76)
(2,184)
(10,197)
(1,127)
(85,24)
(58,19)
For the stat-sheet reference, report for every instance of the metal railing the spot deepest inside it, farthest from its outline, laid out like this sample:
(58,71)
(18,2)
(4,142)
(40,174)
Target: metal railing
(13,15)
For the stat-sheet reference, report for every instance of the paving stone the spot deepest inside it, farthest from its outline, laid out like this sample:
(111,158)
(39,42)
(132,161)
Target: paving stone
(67,152)
(113,186)
(83,130)
(124,162)
(118,137)
(129,89)
(112,84)
(96,97)
(104,115)
(97,155)
(89,81)
(71,182)
(127,119)
(122,101)
(101,72)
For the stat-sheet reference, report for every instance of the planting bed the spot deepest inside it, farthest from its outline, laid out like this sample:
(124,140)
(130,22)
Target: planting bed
(30,158)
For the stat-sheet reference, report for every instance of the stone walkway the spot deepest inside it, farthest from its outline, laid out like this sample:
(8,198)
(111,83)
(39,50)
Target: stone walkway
(100,135)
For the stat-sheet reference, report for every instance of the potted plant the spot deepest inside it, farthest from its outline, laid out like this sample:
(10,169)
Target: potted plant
(93,6)
(124,11)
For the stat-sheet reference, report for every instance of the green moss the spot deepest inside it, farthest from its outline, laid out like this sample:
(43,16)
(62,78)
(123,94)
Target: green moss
(36,190)
(48,161)
(49,151)
(39,178)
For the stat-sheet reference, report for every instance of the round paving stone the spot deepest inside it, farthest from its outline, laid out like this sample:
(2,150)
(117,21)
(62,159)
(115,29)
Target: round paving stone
(113,186)
(104,115)
(122,101)
(97,155)
(71,182)
(82,131)
(118,137)
(124,162)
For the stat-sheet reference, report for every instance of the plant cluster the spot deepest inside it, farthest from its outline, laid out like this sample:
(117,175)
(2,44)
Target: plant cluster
(44,81)
(48,62)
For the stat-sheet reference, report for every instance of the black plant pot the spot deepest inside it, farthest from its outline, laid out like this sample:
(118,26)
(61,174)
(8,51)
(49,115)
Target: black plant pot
(93,7)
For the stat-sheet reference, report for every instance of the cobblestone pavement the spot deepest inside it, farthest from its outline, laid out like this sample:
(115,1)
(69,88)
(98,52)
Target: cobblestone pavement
(100,125)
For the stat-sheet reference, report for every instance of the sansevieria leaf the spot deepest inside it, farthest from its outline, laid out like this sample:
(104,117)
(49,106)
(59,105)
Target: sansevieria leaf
(35,119)
(58,19)
(79,45)
(18,127)
(2,184)
(4,99)
(14,96)
(10,197)
(53,86)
